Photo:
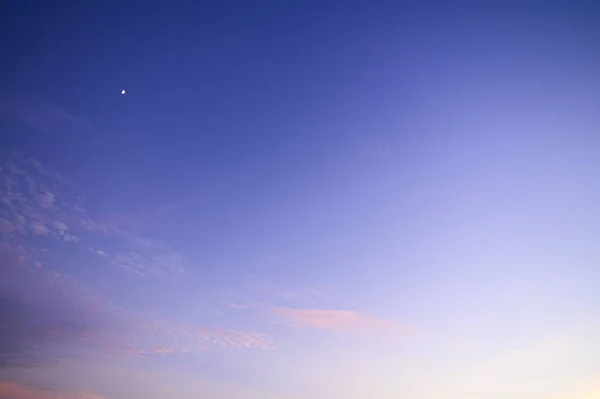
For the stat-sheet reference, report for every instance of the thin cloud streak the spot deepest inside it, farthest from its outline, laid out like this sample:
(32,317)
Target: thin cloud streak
(160,338)
(58,316)
(15,390)
(338,320)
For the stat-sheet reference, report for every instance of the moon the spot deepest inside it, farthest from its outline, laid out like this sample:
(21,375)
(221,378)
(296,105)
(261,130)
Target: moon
(122,91)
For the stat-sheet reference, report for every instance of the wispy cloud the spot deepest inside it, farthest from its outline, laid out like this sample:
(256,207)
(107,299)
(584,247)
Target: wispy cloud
(99,252)
(158,265)
(56,315)
(44,312)
(15,390)
(37,201)
(338,320)
(162,338)
(46,315)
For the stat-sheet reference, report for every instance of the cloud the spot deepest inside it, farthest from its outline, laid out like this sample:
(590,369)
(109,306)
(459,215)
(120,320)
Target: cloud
(161,338)
(35,200)
(337,320)
(99,252)
(39,228)
(46,315)
(162,264)
(60,226)
(47,199)
(14,255)
(15,390)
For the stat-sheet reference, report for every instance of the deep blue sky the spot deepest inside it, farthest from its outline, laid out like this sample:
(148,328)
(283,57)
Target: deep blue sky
(299,199)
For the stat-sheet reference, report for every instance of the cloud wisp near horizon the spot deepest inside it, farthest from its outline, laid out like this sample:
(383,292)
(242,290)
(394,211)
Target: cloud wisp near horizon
(336,320)
(37,210)
(15,390)
(57,313)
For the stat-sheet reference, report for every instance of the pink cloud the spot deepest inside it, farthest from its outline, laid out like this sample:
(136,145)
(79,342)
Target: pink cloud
(337,320)
(105,327)
(101,325)
(14,390)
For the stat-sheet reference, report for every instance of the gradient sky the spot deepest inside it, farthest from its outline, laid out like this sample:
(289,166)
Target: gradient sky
(299,200)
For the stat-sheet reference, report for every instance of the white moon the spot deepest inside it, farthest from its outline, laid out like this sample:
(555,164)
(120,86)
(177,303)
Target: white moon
(122,91)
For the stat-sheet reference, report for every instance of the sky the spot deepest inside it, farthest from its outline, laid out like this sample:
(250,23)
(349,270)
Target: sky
(299,200)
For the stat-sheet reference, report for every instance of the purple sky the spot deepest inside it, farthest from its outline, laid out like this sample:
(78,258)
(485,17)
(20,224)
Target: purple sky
(299,200)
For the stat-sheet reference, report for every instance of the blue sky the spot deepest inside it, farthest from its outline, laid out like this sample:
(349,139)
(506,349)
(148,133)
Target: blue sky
(299,200)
